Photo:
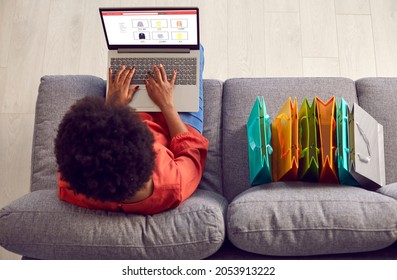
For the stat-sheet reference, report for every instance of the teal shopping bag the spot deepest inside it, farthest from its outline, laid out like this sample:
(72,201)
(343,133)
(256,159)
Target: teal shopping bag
(259,148)
(342,139)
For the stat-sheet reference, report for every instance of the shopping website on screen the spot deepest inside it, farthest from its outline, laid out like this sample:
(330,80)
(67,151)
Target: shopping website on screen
(151,27)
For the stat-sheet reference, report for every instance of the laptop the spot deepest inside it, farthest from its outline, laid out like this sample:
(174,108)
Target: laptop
(141,37)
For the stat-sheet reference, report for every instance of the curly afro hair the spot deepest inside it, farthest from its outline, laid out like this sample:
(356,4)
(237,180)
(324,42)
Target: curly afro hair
(104,152)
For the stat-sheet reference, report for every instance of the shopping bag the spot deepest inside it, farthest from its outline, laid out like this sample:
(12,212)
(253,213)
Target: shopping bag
(367,155)
(327,140)
(259,144)
(342,142)
(308,161)
(285,142)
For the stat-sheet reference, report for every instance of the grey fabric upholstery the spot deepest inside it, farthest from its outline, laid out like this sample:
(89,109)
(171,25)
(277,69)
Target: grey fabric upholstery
(52,229)
(378,97)
(298,219)
(239,96)
(277,219)
(389,190)
(212,177)
(56,95)
(295,218)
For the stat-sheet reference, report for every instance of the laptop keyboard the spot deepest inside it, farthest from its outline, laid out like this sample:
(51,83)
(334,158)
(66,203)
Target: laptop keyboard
(186,68)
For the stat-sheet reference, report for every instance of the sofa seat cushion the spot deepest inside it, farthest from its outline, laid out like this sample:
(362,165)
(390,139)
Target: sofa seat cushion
(39,225)
(298,219)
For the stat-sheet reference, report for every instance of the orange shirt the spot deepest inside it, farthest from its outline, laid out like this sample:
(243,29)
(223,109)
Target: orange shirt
(179,166)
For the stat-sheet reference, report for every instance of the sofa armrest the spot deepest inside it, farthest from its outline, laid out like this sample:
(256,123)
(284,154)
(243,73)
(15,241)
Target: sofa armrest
(377,96)
(389,190)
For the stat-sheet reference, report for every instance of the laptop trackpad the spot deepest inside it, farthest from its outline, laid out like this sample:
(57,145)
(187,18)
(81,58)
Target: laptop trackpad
(141,100)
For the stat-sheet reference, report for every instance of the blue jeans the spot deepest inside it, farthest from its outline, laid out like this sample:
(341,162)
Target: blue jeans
(195,119)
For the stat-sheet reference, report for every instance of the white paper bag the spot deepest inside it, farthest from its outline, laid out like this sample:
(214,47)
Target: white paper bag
(367,155)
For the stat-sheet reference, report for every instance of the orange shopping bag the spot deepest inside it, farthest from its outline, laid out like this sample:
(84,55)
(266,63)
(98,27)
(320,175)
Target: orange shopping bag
(285,142)
(327,140)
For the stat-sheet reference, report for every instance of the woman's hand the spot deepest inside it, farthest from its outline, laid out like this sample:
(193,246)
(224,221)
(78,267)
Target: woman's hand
(120,93)
(160,89)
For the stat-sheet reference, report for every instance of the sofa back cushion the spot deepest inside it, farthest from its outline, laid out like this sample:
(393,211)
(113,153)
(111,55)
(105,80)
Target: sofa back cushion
(378,96)
(212,130)
(239,96)
(58,93)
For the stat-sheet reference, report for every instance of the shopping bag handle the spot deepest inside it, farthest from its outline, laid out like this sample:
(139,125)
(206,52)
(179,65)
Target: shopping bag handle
(300,128)
(268,128)
(346,149)
(279,118)
(251,140)
(368,158)
(268,131)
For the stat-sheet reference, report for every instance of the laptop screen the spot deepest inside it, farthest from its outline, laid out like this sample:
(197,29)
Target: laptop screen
(157,27)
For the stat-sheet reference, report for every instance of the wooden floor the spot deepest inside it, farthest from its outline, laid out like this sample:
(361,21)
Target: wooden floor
(242,38)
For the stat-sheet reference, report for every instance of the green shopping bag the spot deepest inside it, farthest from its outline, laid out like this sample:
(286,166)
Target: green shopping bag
(259,148)
(308,161)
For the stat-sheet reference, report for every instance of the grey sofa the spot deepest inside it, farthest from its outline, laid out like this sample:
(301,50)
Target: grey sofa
(225,218)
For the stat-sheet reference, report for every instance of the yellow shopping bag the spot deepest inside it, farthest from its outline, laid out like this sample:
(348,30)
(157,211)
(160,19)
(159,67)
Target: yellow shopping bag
(285,156)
